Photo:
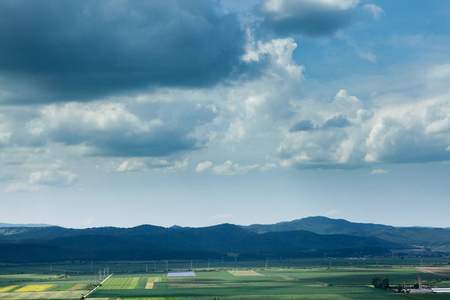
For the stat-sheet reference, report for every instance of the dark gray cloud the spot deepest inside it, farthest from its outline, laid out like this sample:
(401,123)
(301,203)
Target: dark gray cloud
(304,125)
(339,121)
(112,130)
(306,17)
(79,49)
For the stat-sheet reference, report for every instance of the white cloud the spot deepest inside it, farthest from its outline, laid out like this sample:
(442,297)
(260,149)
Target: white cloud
(141,164)
(53,178)
(280,54)
(99,116)
(333,212)
(88,222)
(367,55)
(374,9)
(378,172)
(111,129)
(203,166)
(228,168)
(20,187)
(337,143)
(405,131)
(132,165)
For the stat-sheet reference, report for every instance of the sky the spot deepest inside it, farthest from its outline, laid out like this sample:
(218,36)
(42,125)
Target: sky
(196,113)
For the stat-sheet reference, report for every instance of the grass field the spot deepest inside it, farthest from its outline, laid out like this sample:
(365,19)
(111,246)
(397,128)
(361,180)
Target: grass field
(224,283)
(123,283)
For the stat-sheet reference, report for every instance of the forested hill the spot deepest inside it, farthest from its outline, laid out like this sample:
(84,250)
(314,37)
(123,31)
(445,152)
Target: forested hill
(311,236)
(152,242)
(420,236)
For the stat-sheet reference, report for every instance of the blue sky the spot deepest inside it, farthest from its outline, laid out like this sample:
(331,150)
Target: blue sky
(195,113)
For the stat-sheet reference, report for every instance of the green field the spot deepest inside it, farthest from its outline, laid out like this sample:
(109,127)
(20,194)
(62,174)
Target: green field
(125,283)
(296,279)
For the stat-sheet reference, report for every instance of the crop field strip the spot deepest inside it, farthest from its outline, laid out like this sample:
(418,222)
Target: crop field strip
(250,284)
(35,288)
(245,273)
(275,284)
(43,295)
(121,283)
(142,283)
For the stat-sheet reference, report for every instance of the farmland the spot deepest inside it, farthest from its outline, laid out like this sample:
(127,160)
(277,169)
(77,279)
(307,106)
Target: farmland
(288,279)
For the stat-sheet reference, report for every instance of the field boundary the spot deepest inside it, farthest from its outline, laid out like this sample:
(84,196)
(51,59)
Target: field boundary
(90,292)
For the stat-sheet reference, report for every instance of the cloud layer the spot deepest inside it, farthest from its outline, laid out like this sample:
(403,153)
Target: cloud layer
(174,86)
(310,18)
(80,49)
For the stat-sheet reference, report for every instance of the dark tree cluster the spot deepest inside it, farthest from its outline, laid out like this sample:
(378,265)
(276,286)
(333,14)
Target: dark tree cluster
(380,282)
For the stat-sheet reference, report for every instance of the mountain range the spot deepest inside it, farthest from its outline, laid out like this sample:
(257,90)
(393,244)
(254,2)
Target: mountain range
(308,237)
(23,225)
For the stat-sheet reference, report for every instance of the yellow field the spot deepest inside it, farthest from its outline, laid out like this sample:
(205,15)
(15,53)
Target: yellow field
(149,285)
(44,295)
(7,288)
(245,273)
(35,288)
(78,287)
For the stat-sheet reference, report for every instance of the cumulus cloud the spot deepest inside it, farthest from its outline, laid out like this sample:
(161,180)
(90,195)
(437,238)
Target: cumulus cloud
(131,165)
(417,131)
(20,187)
(414,132)
(203,166)
(146,164)
(307,17)
(110,129)
(337,143)
(53,178)
(228,168)
(81,49)
(375,10)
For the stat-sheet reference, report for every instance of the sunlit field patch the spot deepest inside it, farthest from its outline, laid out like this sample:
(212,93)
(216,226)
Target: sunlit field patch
(121,283)
(35,288)
(7,288)
(245,273)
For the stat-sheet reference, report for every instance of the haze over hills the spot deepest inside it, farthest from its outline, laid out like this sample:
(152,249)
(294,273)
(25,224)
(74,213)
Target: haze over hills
(23,225)
(418,236)
(312,236)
